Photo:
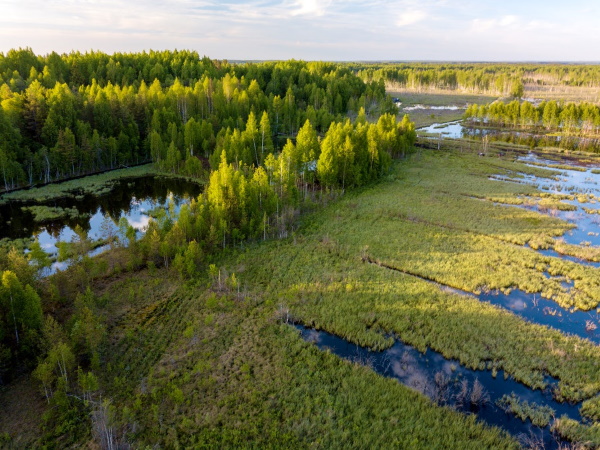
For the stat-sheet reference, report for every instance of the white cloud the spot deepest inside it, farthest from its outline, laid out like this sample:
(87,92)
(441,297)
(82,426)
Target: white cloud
(508,20)
(306,29)
(411,17)
(310,7)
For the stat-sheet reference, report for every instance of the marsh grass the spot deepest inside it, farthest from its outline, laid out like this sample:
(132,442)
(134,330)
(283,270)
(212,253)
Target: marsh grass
(43,213)
(586,436)
(539,415)
(195,365)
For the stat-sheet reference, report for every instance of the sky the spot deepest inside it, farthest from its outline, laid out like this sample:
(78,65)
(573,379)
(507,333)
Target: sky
(337,30)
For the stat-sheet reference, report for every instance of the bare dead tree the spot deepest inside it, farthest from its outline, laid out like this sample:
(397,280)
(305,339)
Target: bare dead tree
(102,425)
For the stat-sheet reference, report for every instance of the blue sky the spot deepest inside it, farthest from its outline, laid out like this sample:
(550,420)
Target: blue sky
(449,30)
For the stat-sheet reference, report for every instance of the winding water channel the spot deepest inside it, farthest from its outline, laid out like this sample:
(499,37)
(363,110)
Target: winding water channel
(443,380)
(430,373)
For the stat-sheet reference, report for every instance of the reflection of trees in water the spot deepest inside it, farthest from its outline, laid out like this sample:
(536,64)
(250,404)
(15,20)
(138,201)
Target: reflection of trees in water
(534,140)
(18,223)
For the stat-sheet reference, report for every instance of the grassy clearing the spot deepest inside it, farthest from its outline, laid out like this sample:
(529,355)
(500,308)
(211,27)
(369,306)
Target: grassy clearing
(442,98)
(562,93)
(426,117)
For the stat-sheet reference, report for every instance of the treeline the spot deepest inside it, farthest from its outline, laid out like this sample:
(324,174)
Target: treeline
(276,135)
(569,118)
(244,201)
(482,78)
(68,115)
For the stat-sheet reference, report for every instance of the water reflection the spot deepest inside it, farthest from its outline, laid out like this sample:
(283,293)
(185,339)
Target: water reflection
(98,215)
(447,382)
(459,129)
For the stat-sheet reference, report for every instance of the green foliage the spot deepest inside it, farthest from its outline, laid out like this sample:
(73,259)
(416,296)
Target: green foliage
(585,436)
(20,311)
(245,378)
(540,415)
(106,111)
(581,119)
(591,408)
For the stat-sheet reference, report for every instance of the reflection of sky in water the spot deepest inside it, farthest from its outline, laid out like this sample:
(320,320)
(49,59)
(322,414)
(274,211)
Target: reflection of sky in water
(450,129)
(137,217)
(418,371)
(574,182)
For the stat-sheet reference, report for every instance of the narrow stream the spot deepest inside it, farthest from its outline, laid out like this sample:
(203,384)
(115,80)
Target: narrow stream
(447,382)
(534,308)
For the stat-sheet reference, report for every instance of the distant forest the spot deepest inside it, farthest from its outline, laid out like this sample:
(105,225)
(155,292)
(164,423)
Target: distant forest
(485,78)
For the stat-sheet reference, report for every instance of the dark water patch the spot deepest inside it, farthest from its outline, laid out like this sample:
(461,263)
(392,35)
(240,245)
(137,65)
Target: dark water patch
(18,222)
(585,187)
(133,199)
(449,383)
(536,309)
(530,306)
(554,253)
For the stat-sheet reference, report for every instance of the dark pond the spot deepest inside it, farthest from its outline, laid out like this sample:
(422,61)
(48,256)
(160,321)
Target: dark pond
(130,198)
(449,383)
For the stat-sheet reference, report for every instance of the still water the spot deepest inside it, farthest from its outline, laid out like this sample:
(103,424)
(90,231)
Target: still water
(132,199)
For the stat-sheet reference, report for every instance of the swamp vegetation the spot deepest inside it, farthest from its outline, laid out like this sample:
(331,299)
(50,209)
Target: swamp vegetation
(200,330)
(220,337)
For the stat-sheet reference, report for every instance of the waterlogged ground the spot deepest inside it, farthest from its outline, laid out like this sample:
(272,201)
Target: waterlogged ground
(581,186)
(430,277)
(454,128)
(439,260)
(449,383)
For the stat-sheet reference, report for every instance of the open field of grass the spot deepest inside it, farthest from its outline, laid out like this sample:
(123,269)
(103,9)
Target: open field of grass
(564,93)
(440,98)
(214,366)
(424,221)
(426,117)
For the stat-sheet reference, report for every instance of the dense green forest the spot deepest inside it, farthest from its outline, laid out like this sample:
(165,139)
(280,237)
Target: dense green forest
(68,115)
(569,118)
(316,209)
(278,137)
(489,78)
